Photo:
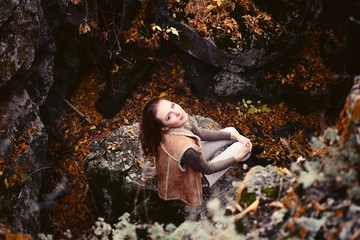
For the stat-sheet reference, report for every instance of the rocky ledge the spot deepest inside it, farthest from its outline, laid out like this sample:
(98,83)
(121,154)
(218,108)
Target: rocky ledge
(121,180)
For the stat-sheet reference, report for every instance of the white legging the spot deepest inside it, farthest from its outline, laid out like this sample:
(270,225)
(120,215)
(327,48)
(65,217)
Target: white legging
(209,148)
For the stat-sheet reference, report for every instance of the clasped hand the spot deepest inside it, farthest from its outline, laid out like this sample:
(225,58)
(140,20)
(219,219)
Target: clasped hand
(245,148)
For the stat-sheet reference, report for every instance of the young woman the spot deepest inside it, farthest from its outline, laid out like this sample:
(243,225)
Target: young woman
(183,151)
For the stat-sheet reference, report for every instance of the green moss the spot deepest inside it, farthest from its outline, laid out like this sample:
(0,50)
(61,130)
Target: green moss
(271,192)
(239,226)
(247,198)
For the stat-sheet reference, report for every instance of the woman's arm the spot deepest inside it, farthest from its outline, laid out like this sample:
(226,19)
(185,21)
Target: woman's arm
(214,135)
(211,135)
(196,161)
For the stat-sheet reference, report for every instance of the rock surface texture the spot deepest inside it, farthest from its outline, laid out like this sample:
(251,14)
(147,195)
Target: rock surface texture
(22,150)
(22,25)
(42,57)
(25,79)
(350,116)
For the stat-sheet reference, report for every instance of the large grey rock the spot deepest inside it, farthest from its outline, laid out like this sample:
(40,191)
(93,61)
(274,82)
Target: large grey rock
(22,28)
(114,173)
(266,184)
(23,144)
(40,77)
(259,179)
(236,84)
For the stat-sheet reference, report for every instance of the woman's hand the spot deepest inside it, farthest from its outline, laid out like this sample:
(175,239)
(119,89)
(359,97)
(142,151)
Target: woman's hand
(242,139)
(243,152)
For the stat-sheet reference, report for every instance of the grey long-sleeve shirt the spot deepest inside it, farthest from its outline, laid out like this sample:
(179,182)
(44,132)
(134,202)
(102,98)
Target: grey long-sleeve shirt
(195,159)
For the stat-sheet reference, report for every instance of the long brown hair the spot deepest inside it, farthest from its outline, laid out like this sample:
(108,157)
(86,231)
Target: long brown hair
(150,128)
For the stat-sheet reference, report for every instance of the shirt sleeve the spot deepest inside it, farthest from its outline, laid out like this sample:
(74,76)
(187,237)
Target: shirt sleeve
(196,161)
(211,135)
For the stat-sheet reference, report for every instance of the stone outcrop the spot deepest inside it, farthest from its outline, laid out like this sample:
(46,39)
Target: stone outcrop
(298,20)
(114,172)
(26,75)
(350,117)
(22,30)
(31,60)
(240,68)
(23,141)
(121,180)
(42,57)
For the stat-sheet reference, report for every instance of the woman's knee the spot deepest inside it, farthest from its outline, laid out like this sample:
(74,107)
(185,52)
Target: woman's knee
(236,145)
(229,129)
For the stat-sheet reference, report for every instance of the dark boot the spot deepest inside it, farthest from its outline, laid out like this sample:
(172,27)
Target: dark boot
(205,186)
(257,149)
(255,161)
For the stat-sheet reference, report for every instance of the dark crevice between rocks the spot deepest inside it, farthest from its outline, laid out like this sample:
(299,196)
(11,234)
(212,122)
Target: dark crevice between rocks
(71,61)
(133,67)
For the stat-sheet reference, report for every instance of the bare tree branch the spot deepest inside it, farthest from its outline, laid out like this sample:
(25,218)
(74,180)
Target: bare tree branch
(77,111)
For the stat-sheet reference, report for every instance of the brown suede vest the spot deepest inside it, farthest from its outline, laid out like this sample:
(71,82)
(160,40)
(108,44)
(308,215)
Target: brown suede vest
(175,182)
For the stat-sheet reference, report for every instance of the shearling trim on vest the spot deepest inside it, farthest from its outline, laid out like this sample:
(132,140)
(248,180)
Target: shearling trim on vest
(183,132)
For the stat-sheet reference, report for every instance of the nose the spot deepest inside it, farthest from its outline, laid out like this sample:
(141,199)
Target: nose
(176,112)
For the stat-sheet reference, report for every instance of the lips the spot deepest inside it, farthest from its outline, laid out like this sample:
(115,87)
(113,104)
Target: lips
(182,116)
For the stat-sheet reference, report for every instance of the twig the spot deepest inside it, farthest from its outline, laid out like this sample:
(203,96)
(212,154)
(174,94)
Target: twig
(116,36)
(281,186)
(78,126)
(354,20)
(118,33)
(26,178)
(77,111)
(107,30)
(122,20)
(86,11)
(287,145)
(126,60)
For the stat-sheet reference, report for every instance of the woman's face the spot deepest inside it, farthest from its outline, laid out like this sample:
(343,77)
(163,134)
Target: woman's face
(171,115)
